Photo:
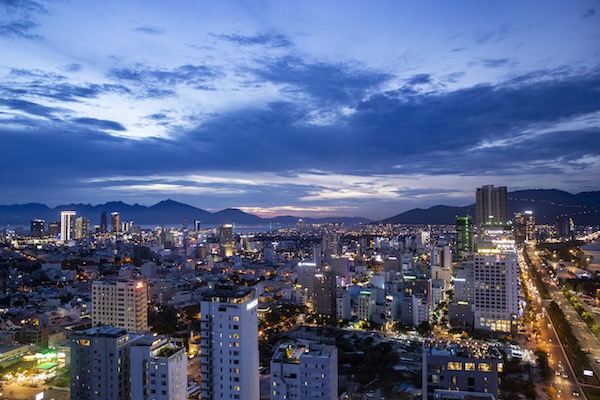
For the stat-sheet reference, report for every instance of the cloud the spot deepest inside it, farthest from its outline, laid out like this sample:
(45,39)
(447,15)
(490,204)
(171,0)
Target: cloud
(155,82)
(19,29)
(419,79)
(262,39)
(150,30)
(326,83)
(101,124)
(497,62)
(590,12)
(30,107)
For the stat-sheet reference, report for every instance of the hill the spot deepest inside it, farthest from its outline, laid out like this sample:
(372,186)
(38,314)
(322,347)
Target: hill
(546,204)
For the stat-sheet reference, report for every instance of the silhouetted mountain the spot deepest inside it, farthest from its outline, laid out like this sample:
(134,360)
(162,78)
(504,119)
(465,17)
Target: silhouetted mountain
(546,204)
(167,212)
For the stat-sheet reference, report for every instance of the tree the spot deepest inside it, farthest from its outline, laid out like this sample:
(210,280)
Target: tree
(542,364)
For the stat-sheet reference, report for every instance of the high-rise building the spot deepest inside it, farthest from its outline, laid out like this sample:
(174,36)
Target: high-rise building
(229,343)
(53,229)
(103,222)
(158,369)
(304,371)
(331,246)
(115,222)
(67,225)
(197,225)
(121,303)
(496,282)
(464,236)
(491,205)
(82,228)
(37,227)
(100,364)
(226,241)
(325,295)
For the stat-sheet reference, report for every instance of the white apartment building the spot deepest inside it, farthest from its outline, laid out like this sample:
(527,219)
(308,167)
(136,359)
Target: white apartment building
(67,225)
(496,290)
(158,369)
(121,303)
(304,371)
(100,364)
(229,344)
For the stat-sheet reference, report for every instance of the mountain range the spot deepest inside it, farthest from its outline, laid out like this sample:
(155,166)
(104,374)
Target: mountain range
(546,206)
(167,212)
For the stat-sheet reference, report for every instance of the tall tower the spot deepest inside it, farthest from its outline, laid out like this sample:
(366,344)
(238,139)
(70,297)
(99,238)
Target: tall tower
(103,222)
(325,295)
(121,303)
(496,286)
(37,227)
(100,364)
(115,221)
(226,240)
(229,341)
(464,236)
(491,205)
(67,225)
(82,228)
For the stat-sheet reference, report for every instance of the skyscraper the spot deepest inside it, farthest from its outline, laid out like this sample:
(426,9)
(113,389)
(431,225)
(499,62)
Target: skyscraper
(82,228)
(121,303)
(37,227)
(491,205)
(115,221)
(226,240)
(103,222)
(325,295)
(496,282)
(229,342)
(100,364)
(464,236)
(67,225)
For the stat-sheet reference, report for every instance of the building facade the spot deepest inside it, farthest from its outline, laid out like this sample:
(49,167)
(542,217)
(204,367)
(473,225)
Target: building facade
(121,303)
(229,344)
(491,205)
(304,371)
(100,364)
(158,369)
(67,225)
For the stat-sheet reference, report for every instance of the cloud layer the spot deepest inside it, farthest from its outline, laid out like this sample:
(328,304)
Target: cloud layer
(262,117)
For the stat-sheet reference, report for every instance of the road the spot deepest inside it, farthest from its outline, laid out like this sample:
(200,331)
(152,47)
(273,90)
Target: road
(566,379)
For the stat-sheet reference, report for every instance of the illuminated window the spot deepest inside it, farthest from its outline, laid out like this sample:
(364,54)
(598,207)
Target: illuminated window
(236,388)
(236,318)
(500,367)
(485,367)
(455,366)
(469,366)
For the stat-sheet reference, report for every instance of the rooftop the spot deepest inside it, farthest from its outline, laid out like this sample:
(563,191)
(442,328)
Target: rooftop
(103,331)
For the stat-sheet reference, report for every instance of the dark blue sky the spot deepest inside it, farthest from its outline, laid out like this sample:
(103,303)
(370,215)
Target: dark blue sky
(305,108)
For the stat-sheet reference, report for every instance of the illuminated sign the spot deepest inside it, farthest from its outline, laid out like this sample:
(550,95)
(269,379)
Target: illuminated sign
(587,372)
(252,304)
(39,396)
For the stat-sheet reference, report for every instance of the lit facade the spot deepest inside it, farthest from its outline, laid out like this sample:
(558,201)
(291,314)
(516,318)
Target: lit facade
(304,372)
(67,225)
(491,205)
(229,344)
(460,368)
(158,369)
(120,303)
(100,364)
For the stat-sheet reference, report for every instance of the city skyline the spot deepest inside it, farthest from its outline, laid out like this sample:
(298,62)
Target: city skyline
(322,109)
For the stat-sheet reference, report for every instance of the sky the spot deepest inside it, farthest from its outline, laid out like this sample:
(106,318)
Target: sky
(306,108)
